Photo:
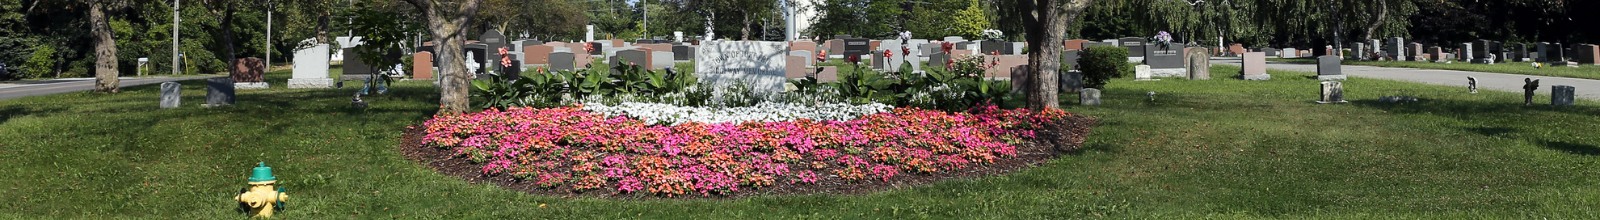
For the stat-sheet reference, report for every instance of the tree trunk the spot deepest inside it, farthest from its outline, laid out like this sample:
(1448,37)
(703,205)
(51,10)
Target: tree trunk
(447,24)
(227,39)
(1383,11)
(744,30)
(1046,28)
(105,50)
(322,28)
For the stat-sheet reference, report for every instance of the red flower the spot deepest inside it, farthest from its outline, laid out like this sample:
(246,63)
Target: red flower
(505,58)
(853,58)
(905,50)
(588,47)
(887,54)
(822,56)
(947,46)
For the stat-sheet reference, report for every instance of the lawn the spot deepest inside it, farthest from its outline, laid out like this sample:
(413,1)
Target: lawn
(1583,71)
(1222,148)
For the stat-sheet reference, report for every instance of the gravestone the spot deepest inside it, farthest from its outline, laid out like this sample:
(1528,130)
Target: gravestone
(1436,53)
(1332,92)
(802,53)
(1466,53)
(1253,66)
(988,47)
(1415,50)
(1141,72)
(421,66)
(805,45)
(683,52)
(171,94)
(1019,78)
(1360,51)
(1069,59)
(1089,96)
(660,60)
(1236,49)
(1561,95)
(928,49)
(595,48)
(311,68)
(1519,52)
(562,61)
(1328,68)
(1135,47)
(1543,53)
(1070,81)
(1198,63)
(247,73)
(1165,61)
(835,47)
(1075,44)
(1397,49)
(1587,53)
(1087,45)
(857,47)
(795,67)
(478,54)
(954,39)
(1017,48)
(939,60)
(1558,54)
(219,92)
(1289,52)
(630,56)
(492,40)
(759,64)
(1498,49)
(537,54)
(1374,46)
(1270,52)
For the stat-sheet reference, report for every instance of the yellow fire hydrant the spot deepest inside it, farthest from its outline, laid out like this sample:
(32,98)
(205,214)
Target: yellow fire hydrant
(262,197)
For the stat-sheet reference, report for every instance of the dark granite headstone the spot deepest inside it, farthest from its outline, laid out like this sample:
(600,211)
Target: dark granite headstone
(1069,59)
(1558,52)
(492,40)
(1158,58)
(988,47)
(857,47)
(634,56)
(1519,51)
(1269,52)
(683,53)
(1561,95)
(1543,53)
(597,47)
(1136,46)
(219,92)
(560,61)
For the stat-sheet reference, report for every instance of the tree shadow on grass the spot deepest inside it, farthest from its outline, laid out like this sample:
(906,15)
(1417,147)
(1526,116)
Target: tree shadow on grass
(8,112)
(1460,108)
(1491,131)
(1571,148)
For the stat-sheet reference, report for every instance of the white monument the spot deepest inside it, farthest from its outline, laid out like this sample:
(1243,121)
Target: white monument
(311,68)
(759,64)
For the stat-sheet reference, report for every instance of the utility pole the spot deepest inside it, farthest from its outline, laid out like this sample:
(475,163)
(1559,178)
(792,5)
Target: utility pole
(175,37)
(646,10)
(269,37)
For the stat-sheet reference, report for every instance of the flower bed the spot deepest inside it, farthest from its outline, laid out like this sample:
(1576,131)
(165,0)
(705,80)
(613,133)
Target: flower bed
(569,148)
(659,113)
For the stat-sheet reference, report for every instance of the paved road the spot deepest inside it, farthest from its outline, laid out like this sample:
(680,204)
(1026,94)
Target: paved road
(11,90)
(1586,88)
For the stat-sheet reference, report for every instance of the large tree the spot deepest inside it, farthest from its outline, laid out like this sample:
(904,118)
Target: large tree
(1046,22)
(447,22)
(105,45)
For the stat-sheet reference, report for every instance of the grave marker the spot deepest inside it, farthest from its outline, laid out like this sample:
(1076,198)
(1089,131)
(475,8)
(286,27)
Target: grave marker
(1328,68)
(1254,67)
(761,64)
(311,68)
(171,94)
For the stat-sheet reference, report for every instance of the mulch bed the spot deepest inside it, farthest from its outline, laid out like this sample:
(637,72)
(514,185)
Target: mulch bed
(1064,136)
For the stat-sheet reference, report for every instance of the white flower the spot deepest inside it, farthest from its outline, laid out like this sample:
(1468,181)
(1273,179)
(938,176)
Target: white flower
(661,113)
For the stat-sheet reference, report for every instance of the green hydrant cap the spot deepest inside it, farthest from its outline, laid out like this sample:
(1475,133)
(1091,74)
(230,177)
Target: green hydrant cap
(262,173)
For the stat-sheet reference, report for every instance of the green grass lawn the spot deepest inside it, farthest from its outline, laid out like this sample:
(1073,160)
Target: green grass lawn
(1583,71)
(1222,148)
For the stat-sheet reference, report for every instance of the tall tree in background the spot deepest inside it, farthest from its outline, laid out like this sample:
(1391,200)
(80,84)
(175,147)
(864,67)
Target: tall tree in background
(447,23)
(1046,22)
(105,45)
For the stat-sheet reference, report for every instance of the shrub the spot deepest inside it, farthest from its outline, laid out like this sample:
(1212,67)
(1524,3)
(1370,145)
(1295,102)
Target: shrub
(1102,63)
(40,64)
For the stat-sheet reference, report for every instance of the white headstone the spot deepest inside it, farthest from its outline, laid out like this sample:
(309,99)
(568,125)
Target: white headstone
(311,68)
(759,63)
(677,36)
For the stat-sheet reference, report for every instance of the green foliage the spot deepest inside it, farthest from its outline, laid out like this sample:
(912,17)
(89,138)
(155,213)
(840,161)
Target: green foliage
(41,63)
(958,88)
(865,86)
(971,21)
(540,88)
(1102,63)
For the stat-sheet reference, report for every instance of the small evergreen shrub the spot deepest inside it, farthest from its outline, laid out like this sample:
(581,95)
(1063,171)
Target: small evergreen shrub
(1102,63)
